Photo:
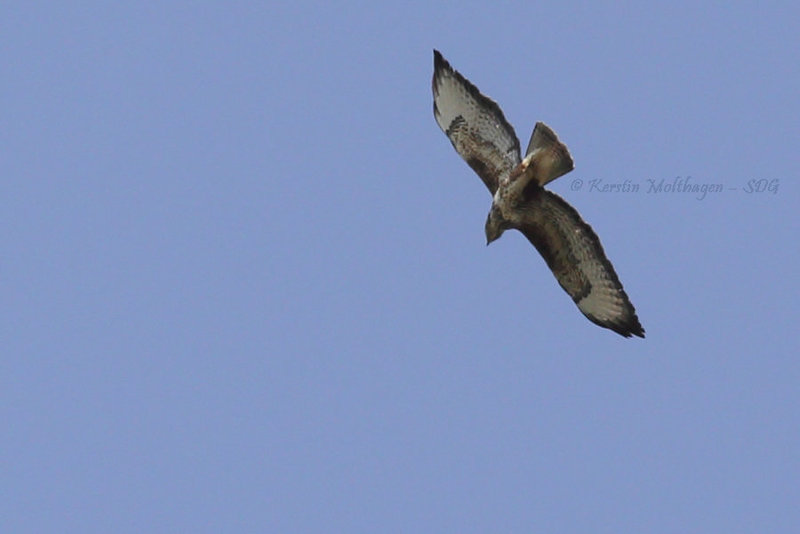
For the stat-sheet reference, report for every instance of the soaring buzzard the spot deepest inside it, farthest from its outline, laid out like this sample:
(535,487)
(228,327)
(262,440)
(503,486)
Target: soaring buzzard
(480,133)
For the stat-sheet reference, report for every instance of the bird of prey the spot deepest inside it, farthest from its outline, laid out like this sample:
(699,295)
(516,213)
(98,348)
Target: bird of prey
(483,137)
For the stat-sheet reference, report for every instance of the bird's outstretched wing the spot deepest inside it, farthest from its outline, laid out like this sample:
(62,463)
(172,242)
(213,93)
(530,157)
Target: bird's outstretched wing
(474,123)
(574,254)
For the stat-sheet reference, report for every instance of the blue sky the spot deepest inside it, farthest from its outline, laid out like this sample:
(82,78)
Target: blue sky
(246,288)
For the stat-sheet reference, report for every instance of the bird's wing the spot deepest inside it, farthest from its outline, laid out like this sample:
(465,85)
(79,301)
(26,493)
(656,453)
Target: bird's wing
(574,254)
(474,123)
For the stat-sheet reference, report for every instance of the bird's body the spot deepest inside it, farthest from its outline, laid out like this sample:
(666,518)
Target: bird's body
(547,158)
(481,135)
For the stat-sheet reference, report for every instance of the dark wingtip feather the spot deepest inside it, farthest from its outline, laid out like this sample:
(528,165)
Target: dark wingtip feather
(629,329)
(632,326)
(638,330)
(440,64)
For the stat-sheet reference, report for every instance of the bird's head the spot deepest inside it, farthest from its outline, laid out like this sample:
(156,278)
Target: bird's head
(495,225)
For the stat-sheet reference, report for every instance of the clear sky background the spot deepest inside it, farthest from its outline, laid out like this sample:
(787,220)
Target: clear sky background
(245,286)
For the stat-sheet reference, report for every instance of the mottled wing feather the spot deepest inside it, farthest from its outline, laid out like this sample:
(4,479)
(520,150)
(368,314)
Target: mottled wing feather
(474,124)
(574,254)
